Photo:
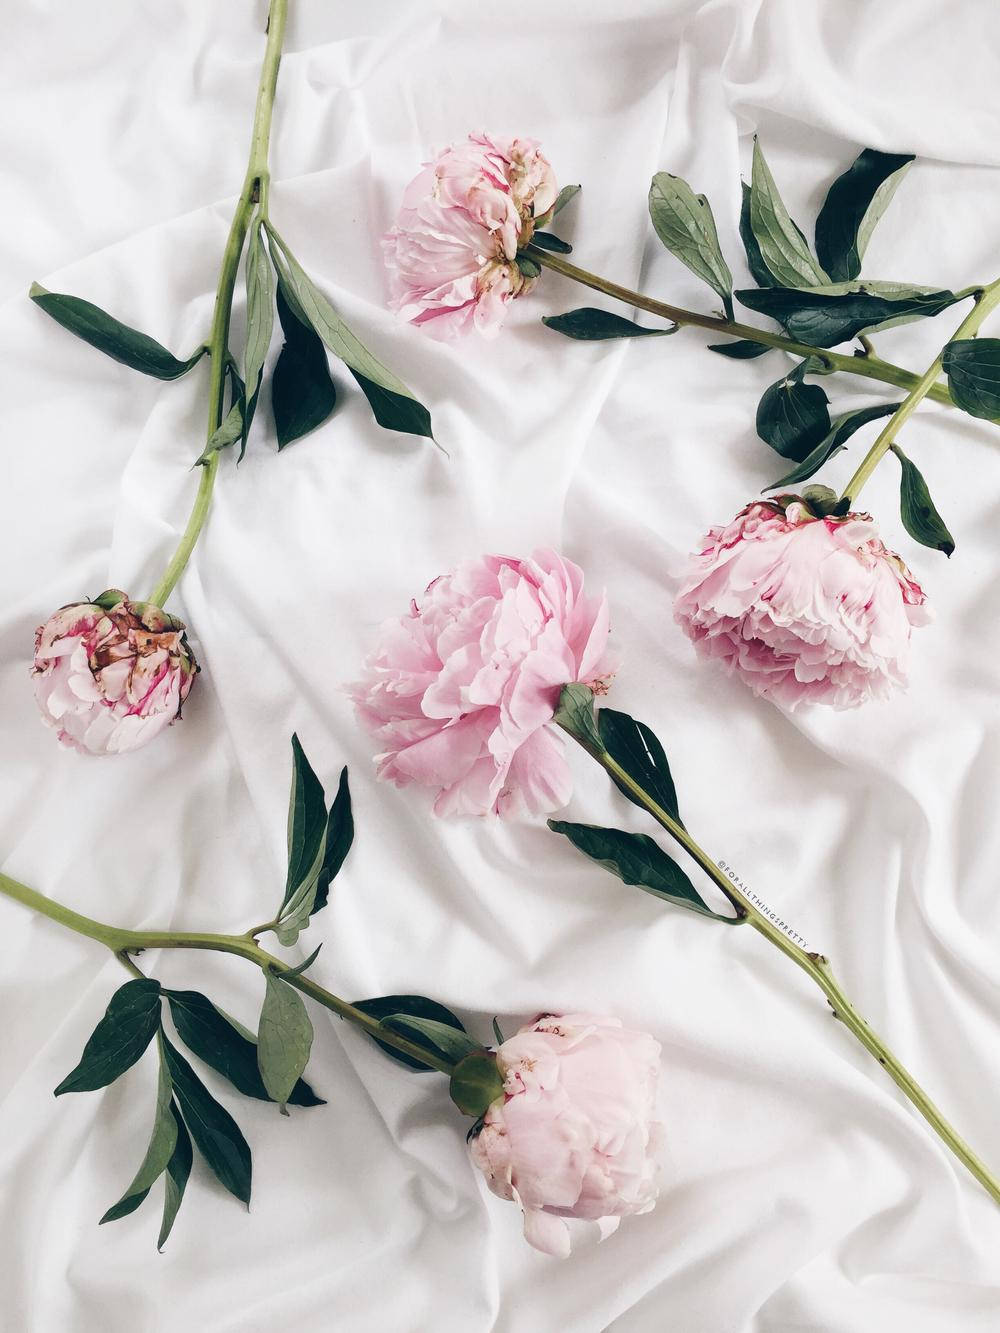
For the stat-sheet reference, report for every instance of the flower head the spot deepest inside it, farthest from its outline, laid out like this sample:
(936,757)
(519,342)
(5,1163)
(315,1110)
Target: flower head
(459,692)
(805,609)
(452,255)
(111,674)
(574,1134)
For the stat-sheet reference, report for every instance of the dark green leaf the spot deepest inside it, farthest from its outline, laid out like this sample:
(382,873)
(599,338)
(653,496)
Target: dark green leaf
(475,1083)
(973,369)
(497,1032)
(684,223)
(226,1046)
(634,746)
(260,306)
(110,336)
(178,1171)
(793,417)
(394,411)
(306,826)
(593,325)
(567,193)
(759,271)
(128,1026)
(546,241)
(832,443)
(575,714)
(300,969)
(637,860)
(162,1144)
(856,201)
(302,393)
(740,349)
(452,1044)
(920,518)
(339,837)
(415,1005)
(228,432)
(782,245)
(212,1127)
(284,1039)
(834,315)
(530,268)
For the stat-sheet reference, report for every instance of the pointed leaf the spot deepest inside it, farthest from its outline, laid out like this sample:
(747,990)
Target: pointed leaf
(759,271)
(178,1171)
(162,1143)
(590,324)
(260,307)
(637,860)
(635,747)
(920,518)
(853,206)
(782,245)
(339,837)
(302,393)
(418,1006)
(284,1039)
(832,443)
(394,411)
(793,417)
(575,714)
(306,827)
(827,316)
(684,223)
(740,349)
(564,196)
(213,1129)
(226,1046)
(128,1026)
(973,369)
(453,1044)
(110,336)
(546,241)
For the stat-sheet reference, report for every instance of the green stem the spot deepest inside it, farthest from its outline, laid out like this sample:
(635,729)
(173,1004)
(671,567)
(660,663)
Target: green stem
(124,943)
(985,301)
(253,194)
(816,967)
(868,367)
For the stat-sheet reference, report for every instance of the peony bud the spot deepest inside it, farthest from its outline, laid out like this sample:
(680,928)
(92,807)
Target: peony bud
(111,674)
(574,1134)
(460,692)
(805,608)
(452,254)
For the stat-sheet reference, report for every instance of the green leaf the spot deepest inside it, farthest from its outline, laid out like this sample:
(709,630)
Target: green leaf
(300,969)
(476,1083)
(973,369)
(832,443)
(212,1127)
(260,307)
(128,1026)
(339,837)
(453,1044)
(684,223)
(302,393)
(759,271)
(826,316)
(740,349)
(546,241)
(418,1006)
(637,860)
(793,417)
(498,1032)
(782,246)
(227,433)
(920,517)
(306,837)
(110,336)
(575,714)
(853,206)
(530,268)
(162,1144)
(284,1039)
(226,1046)
(635,747)
(567,193)
(592,325)
(178,1171)
(393,404)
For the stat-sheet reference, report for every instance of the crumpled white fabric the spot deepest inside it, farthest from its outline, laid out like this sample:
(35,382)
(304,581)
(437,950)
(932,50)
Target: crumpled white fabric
(805,1194)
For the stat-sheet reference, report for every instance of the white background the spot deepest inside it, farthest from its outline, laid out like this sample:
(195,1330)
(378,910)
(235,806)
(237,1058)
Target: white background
(802,1193)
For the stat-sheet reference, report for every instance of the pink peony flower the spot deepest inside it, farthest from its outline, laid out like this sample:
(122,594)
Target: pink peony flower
(804,609)
(574,1134)
(452,254)
(111,674)
(459,692)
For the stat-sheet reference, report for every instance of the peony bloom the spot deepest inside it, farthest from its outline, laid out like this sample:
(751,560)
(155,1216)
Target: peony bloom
(452,254)
(460,692)
(111,674)
(574,1133)
(806,609)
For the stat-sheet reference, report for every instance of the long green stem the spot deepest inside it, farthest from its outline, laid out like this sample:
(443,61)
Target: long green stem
(868,367)
(985,302)
(124,943)
(254,193)
(816,967)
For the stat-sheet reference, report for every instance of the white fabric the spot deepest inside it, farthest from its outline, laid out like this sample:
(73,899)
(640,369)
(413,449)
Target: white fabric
(802,1193)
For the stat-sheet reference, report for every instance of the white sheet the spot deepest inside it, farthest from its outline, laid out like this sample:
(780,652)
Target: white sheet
(802,1194)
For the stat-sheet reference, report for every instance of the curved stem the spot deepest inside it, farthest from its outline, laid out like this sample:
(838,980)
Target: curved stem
(986,300)
(254,191)
(816,967)
(868,367)
(123,943)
